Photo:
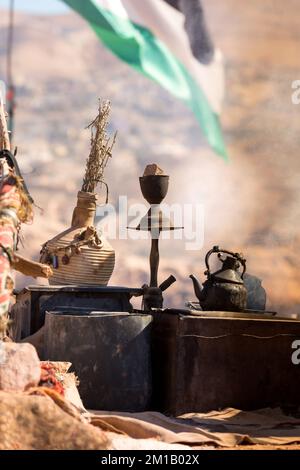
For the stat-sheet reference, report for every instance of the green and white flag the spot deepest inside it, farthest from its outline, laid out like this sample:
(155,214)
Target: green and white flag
(150,36)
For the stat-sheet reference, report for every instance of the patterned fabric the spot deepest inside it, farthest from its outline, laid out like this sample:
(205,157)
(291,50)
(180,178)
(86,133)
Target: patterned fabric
(9,206)
(9,195)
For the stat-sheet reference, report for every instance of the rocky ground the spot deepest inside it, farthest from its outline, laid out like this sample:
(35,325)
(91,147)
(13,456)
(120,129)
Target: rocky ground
(250,204)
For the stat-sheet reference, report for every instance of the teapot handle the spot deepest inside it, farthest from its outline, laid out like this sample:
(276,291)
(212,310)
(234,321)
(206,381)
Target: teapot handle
(218,250)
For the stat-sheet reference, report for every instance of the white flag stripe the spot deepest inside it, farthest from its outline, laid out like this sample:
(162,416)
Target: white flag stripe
(150,36)
(167,24)
(115,6)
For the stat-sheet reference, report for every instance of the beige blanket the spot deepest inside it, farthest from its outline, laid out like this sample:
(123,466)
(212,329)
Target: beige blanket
(42,419)
(226,428)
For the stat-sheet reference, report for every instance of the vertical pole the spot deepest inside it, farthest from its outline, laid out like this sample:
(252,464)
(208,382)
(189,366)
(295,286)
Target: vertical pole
(154,262)
(9,79)
(4,137)
(7,232)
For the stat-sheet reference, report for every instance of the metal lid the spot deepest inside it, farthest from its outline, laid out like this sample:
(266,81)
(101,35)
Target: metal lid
(228,275)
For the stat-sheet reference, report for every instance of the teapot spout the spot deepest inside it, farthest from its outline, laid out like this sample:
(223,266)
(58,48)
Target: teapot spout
(197,286)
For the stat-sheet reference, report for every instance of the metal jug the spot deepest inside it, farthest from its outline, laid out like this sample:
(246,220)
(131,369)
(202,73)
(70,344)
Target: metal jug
(223,289)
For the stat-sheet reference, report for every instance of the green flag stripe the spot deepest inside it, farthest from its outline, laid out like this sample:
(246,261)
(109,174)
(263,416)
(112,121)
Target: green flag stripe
(138,47)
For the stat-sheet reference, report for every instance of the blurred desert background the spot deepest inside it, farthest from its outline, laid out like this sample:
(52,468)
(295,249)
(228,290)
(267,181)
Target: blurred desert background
(251,204)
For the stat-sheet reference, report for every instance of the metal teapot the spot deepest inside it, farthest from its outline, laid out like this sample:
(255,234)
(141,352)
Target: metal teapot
(223,290)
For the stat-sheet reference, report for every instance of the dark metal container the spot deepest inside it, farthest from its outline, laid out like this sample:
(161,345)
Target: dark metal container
(110,353)
(28,313)
(203,363)
(154,187)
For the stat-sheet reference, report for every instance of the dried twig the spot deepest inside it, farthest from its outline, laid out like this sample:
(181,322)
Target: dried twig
(101,149)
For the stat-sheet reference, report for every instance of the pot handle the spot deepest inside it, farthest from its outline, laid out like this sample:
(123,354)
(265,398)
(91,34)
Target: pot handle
(218,250)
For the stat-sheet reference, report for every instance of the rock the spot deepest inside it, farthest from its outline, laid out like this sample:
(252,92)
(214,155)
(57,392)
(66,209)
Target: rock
(153,169)
(32,422)
(19,367)
(257,296)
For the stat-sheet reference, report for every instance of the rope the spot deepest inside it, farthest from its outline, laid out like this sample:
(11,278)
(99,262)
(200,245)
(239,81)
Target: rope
(88,237)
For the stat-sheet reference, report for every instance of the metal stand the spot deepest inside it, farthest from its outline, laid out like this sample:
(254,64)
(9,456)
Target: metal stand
(154,189)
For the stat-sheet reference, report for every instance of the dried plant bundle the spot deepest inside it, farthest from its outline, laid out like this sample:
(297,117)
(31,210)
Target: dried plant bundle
(101,149)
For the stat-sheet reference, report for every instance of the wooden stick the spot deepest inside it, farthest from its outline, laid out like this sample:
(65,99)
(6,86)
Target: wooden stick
(31,268)
(4,136)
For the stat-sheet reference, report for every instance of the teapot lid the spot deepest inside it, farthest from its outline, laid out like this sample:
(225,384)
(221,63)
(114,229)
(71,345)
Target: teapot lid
(228,275)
